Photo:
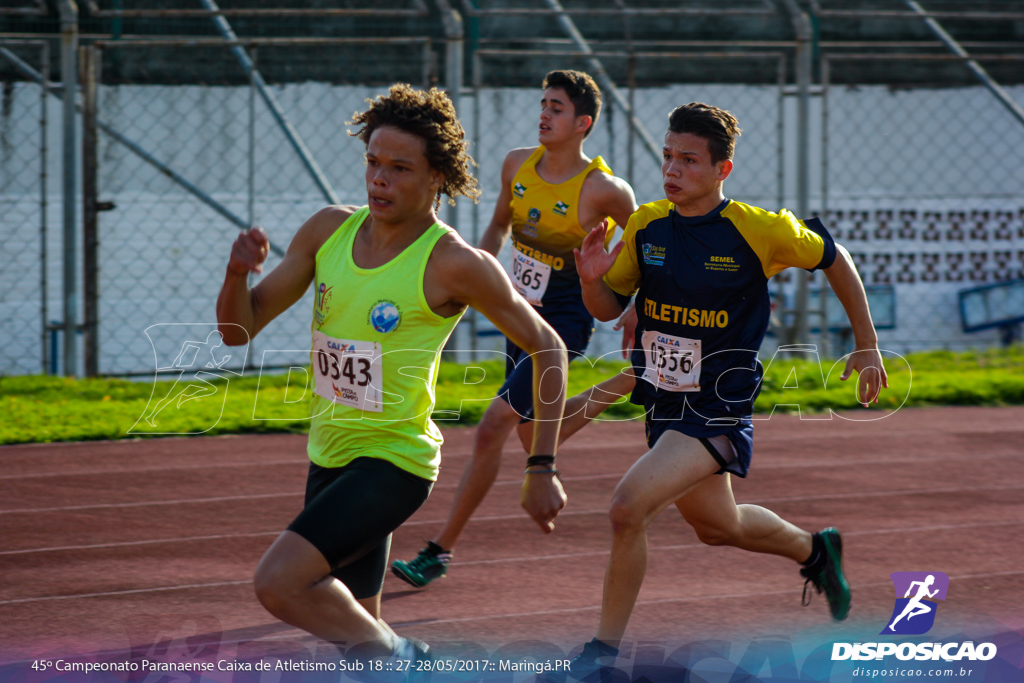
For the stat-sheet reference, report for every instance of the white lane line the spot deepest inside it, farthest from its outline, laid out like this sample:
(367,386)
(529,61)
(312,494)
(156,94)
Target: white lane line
(55,448)
(785,499)
(127,544)
(883,494)
(286,633)
(219,584)
(536,558)
(150,470)
(126,592)
(662,601)
(686,546)
(255,534)
(148,503)
(508,482)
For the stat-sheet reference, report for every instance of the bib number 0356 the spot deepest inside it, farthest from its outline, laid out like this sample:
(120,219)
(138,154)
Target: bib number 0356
(530,277)
(671,363)
(348,372)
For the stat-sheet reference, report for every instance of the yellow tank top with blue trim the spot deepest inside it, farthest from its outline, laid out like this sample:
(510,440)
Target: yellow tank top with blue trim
(545,230)
(375,356)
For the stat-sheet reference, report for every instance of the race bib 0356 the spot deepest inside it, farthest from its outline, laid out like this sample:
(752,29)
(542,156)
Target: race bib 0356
(671,363)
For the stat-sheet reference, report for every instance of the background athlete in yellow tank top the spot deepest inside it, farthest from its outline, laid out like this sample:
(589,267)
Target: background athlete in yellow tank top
(325,573)
(551,197)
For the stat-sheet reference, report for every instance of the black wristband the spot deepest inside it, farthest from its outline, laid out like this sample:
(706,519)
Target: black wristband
(540,460)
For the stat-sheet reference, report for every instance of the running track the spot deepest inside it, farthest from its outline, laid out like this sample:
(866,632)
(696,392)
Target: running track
(106,546)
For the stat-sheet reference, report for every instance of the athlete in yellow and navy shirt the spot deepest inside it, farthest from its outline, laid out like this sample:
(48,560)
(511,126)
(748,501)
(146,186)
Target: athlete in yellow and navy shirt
(703,280)
(699,265)
(551,197)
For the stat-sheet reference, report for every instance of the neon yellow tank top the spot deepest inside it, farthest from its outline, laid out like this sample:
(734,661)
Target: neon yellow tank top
(545,230)
(375,356)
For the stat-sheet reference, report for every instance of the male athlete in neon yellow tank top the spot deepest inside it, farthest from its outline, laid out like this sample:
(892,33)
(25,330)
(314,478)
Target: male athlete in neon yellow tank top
(391,283)
(551,197)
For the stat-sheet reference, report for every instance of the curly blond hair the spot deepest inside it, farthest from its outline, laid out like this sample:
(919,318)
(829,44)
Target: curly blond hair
(430,116)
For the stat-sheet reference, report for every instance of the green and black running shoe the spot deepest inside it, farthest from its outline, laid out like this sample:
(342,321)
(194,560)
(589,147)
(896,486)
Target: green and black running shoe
(593,665)
(827,575)
(430,564)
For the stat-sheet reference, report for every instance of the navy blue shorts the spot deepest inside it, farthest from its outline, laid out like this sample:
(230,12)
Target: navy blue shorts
(350,513)
(733,456)
(574,329)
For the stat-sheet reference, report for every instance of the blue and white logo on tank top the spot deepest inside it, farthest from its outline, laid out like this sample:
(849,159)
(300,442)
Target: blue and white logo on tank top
(385,316)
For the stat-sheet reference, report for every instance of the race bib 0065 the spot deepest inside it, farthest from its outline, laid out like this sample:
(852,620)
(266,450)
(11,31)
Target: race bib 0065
(348,372)
(530,277)
(672,363)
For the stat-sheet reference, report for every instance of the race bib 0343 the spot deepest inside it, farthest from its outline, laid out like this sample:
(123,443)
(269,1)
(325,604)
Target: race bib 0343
(348,372)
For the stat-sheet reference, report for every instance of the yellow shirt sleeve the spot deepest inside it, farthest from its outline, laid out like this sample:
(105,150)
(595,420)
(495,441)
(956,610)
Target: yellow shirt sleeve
(781,240)
(624,276)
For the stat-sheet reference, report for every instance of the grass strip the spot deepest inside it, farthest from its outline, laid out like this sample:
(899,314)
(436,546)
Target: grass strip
(39,409)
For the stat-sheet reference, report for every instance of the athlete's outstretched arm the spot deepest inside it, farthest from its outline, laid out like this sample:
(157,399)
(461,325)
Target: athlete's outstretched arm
(251,310)
(500,226)
(475,278)
(592,263)
(866,358)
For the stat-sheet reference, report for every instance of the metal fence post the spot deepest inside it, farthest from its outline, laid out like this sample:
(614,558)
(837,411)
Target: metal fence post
(251,180)
(472,315)
(631,130)
(453,30)
(43,157)
(453,75)
(801,25)
(69,77)
(89,67)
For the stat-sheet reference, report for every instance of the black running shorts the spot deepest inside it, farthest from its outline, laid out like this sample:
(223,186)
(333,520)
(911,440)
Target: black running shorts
(350,513)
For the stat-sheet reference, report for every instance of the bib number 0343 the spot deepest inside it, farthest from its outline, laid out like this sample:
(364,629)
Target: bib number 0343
(671,363)
(530,277)
(348,372)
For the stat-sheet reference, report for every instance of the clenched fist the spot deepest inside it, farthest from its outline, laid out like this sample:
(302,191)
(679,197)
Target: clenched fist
(249,252)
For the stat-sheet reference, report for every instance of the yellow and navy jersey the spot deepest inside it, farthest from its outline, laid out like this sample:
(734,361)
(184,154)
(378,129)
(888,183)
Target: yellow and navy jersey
(702,303)
(545,229)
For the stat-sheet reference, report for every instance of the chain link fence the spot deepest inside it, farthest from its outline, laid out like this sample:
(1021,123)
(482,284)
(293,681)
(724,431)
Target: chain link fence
(923,186)
(202,135)
(26,140)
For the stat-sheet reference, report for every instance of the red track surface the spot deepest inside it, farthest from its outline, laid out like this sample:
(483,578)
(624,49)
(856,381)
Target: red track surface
(109,545)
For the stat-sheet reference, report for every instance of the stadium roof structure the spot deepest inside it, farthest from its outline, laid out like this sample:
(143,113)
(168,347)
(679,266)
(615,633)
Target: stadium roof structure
(643,41)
